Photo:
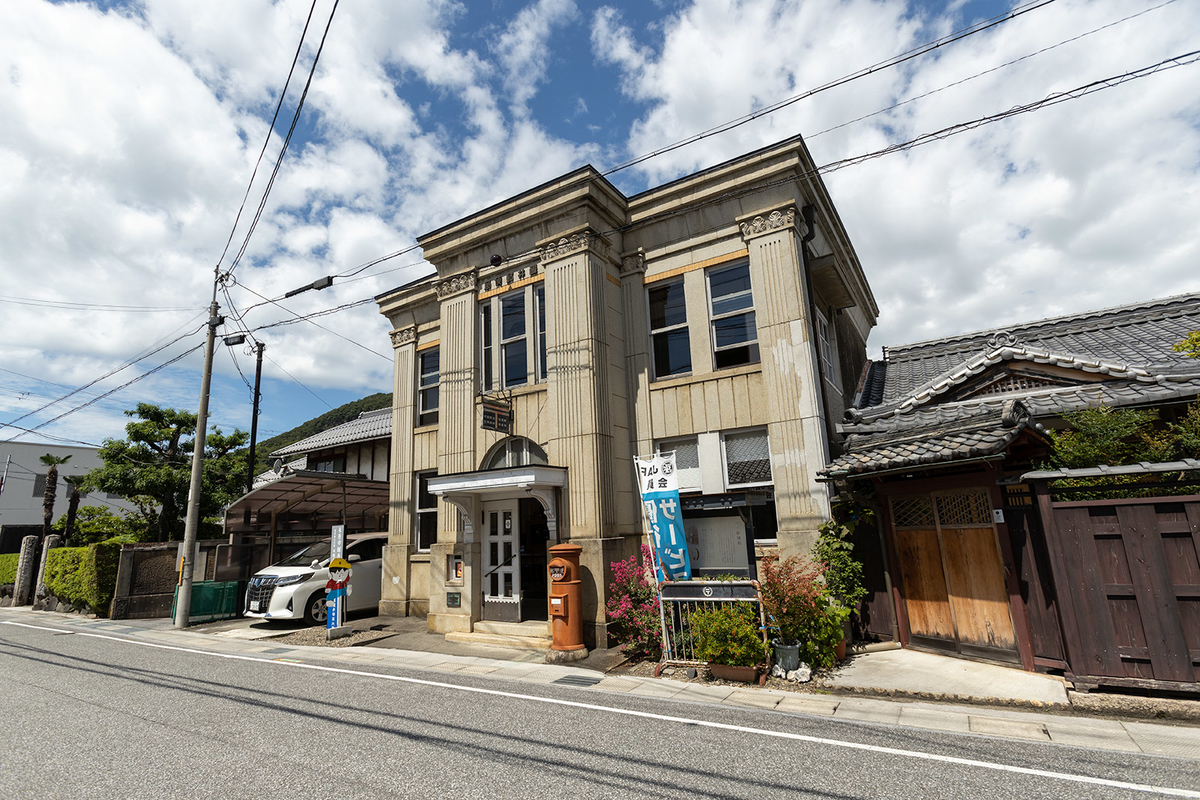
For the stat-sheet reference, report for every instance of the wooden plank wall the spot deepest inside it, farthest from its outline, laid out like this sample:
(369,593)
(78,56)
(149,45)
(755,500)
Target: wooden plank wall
(1128,578)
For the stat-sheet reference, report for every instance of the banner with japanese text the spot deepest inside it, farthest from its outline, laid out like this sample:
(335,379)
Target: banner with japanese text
(659,485)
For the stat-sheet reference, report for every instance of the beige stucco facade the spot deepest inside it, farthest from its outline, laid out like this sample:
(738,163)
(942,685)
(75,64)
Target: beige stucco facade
(588,258)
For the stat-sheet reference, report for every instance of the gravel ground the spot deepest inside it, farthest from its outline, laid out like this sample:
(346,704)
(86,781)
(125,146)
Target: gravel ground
(645,669)
(315,636)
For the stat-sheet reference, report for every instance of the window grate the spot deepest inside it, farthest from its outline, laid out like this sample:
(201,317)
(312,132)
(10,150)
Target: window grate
(747,458)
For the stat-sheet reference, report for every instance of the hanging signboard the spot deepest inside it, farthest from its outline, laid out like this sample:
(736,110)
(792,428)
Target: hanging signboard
(497,416)
(659,485)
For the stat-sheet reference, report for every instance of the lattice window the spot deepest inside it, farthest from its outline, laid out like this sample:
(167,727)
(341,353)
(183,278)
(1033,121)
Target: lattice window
(1014,383)
(964,508)
(912,512)
(747,458)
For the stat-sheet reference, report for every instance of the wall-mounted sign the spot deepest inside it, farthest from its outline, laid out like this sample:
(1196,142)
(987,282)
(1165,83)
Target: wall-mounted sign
(557,572)
(497,416)
(453,599)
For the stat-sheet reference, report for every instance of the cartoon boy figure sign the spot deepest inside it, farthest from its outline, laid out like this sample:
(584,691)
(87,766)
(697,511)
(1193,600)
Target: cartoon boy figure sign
(336,589)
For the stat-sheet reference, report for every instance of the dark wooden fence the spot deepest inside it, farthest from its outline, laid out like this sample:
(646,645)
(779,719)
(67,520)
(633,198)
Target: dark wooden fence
(1127,578)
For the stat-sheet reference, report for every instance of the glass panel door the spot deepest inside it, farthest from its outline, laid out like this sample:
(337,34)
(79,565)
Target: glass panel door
(501,561)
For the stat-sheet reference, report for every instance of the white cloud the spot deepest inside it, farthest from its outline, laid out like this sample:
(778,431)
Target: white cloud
(524,50)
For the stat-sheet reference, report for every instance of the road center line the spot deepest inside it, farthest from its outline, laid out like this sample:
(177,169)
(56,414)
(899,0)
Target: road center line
(798,737)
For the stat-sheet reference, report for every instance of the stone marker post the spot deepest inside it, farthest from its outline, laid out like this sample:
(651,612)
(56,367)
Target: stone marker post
(23,588)
(39,594)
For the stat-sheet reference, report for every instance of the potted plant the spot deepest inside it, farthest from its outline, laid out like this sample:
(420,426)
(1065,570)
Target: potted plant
(728,637)
(792,596)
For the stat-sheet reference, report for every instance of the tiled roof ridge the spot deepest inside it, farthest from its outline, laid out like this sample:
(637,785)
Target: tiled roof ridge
(1105,318)
(975,365)
(375,413)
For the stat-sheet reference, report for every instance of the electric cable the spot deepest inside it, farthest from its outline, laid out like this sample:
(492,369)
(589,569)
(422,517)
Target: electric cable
(297,381)
(270,130)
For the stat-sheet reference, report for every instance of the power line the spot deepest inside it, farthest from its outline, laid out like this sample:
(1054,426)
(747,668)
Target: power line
(862,73)
(286,142)
(297,382)
(270,130)
(996,68)
(70,305)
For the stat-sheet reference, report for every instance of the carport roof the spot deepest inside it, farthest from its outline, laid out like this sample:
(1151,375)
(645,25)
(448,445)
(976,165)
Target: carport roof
(318,493)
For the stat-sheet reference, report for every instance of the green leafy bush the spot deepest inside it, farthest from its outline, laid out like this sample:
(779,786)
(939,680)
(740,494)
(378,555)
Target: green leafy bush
(791,594)
(729,634)
(8,567)
(85,576)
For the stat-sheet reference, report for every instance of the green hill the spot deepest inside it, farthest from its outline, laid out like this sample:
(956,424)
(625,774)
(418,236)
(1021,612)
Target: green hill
(330,419)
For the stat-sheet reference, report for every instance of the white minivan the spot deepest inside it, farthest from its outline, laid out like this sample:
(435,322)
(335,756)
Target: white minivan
(295,587)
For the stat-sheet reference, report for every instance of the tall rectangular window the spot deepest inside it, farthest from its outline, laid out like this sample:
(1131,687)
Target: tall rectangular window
(39,484)
(747,458)
(427,386)
(513,338)
(734,334)
(668,329)
(826,344)
(425,524)
(540,294)
(514,349)
(485,324)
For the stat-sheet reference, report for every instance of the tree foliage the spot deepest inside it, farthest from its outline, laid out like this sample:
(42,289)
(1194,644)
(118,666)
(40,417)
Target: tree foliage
(1190,346)
(51,490)
(151,468)
(1119,436)
(97,524)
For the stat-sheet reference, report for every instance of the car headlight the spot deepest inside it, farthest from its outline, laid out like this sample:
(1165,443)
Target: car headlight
(290,579)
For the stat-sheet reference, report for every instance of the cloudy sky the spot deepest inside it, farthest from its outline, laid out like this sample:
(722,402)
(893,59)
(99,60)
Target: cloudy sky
(129,132)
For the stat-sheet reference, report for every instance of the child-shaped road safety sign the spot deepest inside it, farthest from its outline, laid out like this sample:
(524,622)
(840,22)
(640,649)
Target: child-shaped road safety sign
(659,484)
(337,589)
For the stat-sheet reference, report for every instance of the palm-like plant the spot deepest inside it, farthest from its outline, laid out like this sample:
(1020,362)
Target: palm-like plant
(52,462)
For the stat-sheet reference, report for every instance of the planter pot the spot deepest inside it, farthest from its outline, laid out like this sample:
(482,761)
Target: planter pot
(787,656)
(726,672)
(840,650)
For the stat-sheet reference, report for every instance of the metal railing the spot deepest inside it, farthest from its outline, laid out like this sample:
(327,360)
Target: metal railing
(679,600)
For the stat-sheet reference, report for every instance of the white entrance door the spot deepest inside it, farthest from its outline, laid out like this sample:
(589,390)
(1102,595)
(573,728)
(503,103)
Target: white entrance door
(501,561)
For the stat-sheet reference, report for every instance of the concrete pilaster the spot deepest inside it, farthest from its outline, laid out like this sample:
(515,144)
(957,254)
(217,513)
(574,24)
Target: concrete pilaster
(790,376)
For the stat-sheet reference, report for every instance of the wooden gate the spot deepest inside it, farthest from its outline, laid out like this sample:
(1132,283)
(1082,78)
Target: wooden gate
(953,577)
(1128,578)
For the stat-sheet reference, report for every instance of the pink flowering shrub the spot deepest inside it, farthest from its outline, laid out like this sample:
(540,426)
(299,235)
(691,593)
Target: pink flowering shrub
(633,608)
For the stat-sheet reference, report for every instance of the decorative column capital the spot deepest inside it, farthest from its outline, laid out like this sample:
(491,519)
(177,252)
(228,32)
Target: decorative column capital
(633,264)
(403,336)
(761,224)
(586,239)
(456,284)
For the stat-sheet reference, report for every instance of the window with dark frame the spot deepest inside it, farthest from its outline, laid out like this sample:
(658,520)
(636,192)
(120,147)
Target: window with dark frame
(39,484)
(425,527)
(669,338)
(427,391)
(747,458)
(731,310)
(513,338)
(687,461)
(825,342)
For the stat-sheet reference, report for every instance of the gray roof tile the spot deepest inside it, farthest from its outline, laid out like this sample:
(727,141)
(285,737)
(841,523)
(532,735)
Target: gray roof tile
(369,425)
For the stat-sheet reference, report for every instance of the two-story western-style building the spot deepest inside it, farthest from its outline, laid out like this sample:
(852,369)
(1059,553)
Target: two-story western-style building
(722,316)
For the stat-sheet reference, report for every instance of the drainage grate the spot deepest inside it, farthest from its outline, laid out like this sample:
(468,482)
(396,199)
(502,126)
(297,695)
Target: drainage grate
(579,680)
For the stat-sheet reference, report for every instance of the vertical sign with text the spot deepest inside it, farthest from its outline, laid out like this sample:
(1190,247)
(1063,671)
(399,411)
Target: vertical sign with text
(659,486)
(335,606)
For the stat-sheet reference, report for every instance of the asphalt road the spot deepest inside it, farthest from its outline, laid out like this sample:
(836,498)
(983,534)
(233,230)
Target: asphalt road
(93,716)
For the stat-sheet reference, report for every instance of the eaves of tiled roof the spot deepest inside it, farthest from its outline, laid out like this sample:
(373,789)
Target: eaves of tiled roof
(369,425)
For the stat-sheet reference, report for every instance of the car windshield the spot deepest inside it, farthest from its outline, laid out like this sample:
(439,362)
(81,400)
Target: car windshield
(316,550)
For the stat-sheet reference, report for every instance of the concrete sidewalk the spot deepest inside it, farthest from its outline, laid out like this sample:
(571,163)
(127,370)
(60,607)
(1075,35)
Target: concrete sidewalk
(908,671)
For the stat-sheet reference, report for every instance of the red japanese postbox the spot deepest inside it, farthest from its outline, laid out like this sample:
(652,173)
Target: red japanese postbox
(566,604)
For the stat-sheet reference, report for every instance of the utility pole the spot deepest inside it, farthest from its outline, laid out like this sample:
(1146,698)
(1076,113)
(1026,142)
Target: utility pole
(254,418)
(183,600)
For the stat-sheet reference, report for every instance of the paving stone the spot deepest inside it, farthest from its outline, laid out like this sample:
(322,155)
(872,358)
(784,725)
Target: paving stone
(704,694)
(803,704)
(752,699)
(1011,728)
(1099,734)
(935,719)
(617,684)
(477,669)
(1165,740)
(655,689)
(868,710)
(446,666)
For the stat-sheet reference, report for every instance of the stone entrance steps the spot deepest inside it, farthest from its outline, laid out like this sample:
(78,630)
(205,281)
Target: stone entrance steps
(531,635)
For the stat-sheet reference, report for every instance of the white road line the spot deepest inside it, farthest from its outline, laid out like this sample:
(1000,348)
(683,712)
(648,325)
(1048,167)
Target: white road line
(965,762)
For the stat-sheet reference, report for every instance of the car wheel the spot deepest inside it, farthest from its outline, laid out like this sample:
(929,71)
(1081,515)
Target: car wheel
(314,609)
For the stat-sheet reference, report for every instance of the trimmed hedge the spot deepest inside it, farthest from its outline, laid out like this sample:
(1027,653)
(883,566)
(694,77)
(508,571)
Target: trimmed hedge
(85,576)
(8,568)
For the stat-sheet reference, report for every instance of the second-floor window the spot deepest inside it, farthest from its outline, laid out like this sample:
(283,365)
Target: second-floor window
(731,307)
(671,346)
(425,533)
(513,338)
(827,345)
(427,386)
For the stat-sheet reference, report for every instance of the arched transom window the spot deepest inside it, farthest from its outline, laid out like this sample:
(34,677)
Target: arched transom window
(516,451)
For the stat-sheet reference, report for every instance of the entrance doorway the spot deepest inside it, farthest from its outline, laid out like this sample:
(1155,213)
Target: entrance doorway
(954,588)
(515,537)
